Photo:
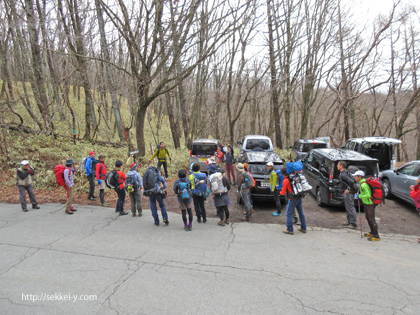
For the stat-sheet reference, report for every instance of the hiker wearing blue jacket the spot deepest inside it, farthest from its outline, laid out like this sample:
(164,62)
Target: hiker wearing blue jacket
(90,175)
(134,184)
(184,198)
(198,196)
(159,198)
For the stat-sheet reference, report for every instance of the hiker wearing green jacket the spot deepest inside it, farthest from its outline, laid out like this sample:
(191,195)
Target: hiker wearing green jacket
(161,153)
(274,187)
(365,196)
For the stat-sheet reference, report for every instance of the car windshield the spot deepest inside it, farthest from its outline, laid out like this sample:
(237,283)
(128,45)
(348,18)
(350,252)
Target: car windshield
(261,169)
(203,149)
(306,147)
(257,144)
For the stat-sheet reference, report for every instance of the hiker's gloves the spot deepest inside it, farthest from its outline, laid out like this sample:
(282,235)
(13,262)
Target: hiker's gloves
(99,182)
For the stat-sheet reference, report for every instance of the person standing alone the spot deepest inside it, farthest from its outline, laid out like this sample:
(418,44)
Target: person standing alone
(161,153)
(69,185)
(25,175)
(347,186)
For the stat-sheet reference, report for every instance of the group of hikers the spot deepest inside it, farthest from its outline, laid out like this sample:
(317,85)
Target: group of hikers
(192,189)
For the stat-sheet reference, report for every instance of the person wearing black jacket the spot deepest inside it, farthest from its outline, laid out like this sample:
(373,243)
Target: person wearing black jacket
(230,161)
(24,174)
(347,186)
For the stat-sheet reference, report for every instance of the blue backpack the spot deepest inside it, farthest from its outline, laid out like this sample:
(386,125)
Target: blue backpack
(200,189)
(184,190)
(292,167)
(280,179)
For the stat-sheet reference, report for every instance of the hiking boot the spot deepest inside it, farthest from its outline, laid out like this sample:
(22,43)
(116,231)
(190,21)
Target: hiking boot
(166,221)
(133,213)
(186,228)
(368,234)
(36,207)
(245,219)
(374,238)
(204,220)
(140,213)
(73,209)
(105,204)
(157,224)
(91,198)
(352,227)
(199,220)
(221,222)
(69,211)
(295,220)
(345,224)
(25,210)
(94,196)
(302,230)
(227,221)
(123,212)
(276,214)
(288,232)
(189,228)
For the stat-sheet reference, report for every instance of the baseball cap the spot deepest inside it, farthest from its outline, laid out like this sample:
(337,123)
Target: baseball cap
(118,163)
(24,162)
(359,173)
(270,164)
(102,156)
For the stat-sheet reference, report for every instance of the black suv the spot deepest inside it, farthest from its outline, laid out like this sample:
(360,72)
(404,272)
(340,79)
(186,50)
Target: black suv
(320,169)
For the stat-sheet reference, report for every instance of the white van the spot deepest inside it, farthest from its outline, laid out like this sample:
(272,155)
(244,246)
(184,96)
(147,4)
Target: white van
(380,148)
(256,143)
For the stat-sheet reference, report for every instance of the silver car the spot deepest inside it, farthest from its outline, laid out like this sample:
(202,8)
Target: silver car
(201,150)
(397,182)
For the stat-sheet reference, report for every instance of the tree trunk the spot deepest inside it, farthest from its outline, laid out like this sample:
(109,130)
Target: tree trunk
(174,127)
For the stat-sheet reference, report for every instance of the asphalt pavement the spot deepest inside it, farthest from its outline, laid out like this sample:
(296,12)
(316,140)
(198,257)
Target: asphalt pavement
(95,262)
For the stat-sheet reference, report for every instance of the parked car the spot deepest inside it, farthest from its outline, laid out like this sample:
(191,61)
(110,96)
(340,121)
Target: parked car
(301,148)
(380,148)
(397,182)
(201,150)
(257,166)
(256,143)
(320,169)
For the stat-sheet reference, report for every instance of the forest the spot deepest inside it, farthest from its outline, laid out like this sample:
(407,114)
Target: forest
(105,70)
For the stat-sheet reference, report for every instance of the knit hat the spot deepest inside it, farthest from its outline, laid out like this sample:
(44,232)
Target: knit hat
(102,156)
(240,167)
(133,166)
(24,162)
(69,162)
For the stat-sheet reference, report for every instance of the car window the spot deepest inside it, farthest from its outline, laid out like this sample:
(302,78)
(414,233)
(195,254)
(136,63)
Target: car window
(262,144)
(309,158)
(316,161)
(408,169)
(306,147)
(203,149)
(417,171)
(353,146)
(348,144)
(325,167)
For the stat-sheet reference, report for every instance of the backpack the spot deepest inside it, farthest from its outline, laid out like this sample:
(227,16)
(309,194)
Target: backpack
(151,181)
(158,149)
(249,181)
(93,167)
(280,179)
(200,189)
(299,184)
(350,171)
(83,165)
(130,186)
(216,184)
(377,189)
(292,167)
(184,190)
(59,174)
(112,179)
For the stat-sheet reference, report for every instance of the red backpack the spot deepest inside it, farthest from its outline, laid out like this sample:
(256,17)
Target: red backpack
(377,189)
(59,175)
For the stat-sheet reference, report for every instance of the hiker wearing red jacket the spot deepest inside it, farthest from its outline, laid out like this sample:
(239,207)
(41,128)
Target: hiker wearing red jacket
(100,175)
(119,189)
(294,202)
(415,194)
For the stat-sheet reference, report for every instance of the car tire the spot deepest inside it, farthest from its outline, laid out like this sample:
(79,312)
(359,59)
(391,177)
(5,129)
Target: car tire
(387,188)
(318,197)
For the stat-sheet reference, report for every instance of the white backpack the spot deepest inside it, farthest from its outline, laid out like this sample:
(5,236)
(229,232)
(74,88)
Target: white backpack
(216,184)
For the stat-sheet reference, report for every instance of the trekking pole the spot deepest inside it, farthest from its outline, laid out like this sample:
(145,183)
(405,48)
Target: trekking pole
(360,219)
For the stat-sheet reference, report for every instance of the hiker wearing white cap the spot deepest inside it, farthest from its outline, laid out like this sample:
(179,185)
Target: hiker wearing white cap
(273,183)
(25,174)
(366,197)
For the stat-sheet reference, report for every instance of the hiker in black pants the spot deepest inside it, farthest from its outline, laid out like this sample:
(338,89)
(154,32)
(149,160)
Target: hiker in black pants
(161,153)
(347,186)
(199,207)
(91,175)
